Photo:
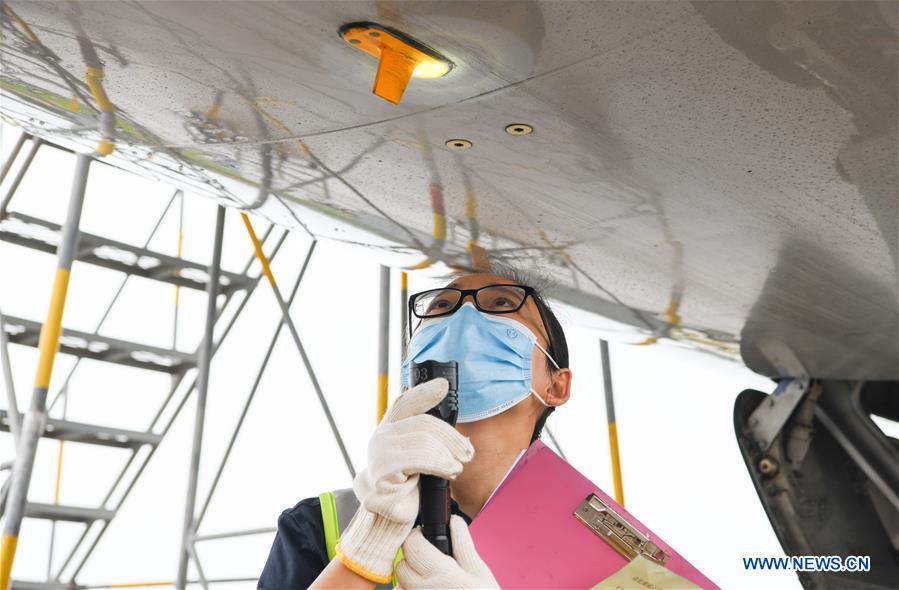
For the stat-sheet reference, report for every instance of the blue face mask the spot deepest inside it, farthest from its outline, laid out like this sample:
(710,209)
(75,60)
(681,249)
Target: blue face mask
(494,356)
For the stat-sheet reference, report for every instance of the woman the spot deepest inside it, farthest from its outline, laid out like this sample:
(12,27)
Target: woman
(488,323)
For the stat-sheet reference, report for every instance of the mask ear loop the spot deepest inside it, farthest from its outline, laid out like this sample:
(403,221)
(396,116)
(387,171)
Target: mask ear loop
(543,350)
(553,361)
(540,399)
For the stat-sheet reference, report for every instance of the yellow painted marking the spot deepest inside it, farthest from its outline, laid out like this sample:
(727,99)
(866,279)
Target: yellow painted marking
(58,472)
(95,83)
(257,246)
(382,395)
(480,259)
(105,147)
(50,331)
(439,227)
(423,264)
(616,463)
(671,315)
(404,281)
(31,37)
(561,251)
(471,205)
(140,584)
(7,553)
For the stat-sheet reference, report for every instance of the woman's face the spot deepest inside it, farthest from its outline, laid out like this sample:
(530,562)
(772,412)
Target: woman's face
(553,393)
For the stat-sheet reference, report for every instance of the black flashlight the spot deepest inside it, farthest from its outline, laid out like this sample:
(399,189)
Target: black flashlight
(434,492)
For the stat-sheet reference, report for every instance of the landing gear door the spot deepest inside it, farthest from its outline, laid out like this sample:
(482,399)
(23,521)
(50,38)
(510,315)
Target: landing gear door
(826,473)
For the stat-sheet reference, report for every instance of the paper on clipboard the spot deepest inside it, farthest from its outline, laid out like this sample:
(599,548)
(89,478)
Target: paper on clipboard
(642,573)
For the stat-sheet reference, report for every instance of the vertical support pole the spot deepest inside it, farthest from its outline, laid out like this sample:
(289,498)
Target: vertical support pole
(404,312)
(15,419)
(178,254)
(610,416)
(203,364)
(383,341)
(35,419)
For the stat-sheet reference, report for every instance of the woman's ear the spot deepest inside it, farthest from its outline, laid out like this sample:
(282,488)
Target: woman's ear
(560,389)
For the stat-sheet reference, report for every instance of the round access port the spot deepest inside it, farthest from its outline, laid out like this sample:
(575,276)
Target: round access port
(458,144)
(519,129)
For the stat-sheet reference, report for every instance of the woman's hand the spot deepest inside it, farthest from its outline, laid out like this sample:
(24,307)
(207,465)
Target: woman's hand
(406,443)
(424,566)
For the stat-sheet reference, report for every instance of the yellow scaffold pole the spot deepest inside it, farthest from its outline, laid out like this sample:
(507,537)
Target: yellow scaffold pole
(610,416)
(36,417)
(404,312)
(383,341)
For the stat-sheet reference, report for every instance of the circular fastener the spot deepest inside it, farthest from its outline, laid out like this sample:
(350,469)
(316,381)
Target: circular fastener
(519,129)
(355,41)
(374,34)
(768,466)
(458,144)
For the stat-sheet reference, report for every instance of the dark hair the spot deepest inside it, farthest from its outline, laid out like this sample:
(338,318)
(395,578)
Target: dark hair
(558,345)
(558,349)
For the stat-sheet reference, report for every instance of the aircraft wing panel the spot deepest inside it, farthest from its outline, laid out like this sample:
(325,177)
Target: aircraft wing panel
(720,173)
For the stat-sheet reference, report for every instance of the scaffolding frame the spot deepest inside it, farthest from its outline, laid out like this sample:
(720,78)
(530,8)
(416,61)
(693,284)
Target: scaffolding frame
(192,523)
(66,253)
(209,345)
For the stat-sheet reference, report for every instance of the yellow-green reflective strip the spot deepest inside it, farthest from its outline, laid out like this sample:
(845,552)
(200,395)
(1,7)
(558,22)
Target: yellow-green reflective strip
(396,560)
(329,520)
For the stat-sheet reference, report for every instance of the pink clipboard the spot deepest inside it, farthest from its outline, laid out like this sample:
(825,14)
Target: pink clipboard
(529,537)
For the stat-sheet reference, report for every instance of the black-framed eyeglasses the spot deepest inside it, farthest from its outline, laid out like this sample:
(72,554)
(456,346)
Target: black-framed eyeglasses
(497,298)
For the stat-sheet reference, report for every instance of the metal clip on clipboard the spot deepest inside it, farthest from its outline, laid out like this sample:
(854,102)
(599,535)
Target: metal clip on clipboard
(616,531)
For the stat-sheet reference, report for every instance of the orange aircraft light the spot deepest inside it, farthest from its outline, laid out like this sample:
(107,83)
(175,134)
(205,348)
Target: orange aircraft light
(399,58)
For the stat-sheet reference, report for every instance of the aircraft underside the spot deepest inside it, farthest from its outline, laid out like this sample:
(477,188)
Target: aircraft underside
(721,174)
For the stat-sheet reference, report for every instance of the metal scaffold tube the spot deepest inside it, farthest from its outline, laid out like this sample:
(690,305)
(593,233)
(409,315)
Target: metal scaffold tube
(251,395)
(33,423)
(267,271)
(203,365)
(610,417)
(15,420)
(383,341)
(12,156)
(404,312)
(35,146)
(168,422)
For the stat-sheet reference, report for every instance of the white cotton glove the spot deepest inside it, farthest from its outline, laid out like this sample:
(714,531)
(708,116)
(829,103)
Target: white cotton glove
(424,566)
(406,443)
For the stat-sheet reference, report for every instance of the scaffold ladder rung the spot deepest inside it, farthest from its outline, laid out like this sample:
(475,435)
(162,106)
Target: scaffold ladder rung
(38,234)
(67,513)
(91,434)
(103,348)
(25,585)
(69,243)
